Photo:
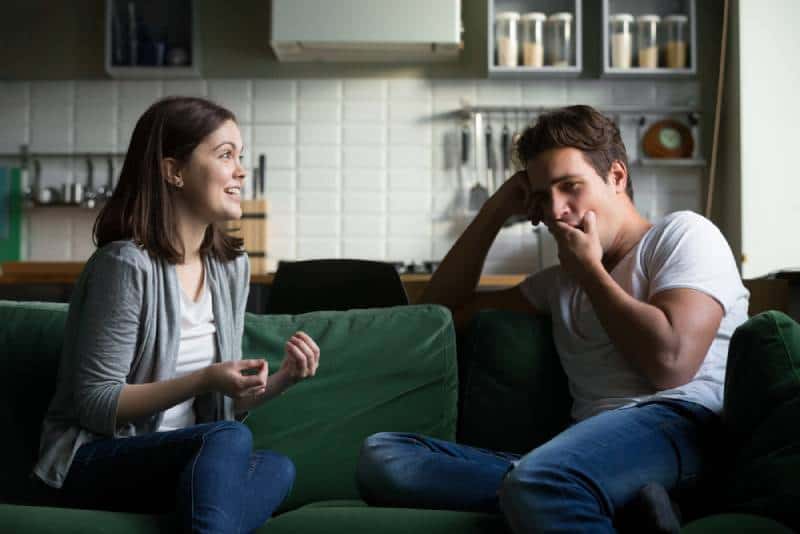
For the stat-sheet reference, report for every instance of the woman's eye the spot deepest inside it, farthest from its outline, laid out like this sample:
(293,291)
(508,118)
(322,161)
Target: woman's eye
(226,154)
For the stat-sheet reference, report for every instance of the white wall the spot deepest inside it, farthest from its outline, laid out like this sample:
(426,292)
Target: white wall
(356,167)
(769,111)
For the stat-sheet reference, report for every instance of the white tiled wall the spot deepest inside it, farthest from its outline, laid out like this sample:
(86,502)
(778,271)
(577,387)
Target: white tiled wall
(355,167)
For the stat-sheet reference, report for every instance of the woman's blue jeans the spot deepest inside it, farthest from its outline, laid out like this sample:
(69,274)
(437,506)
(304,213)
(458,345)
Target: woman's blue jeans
(209,473)
(573,483)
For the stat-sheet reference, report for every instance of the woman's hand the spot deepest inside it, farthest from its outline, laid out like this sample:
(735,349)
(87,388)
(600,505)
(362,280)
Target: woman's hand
(238,379)
(301,359)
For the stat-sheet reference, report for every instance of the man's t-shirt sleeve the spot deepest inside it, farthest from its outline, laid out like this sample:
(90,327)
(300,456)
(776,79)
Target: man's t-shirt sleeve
(537,287)
(690,252)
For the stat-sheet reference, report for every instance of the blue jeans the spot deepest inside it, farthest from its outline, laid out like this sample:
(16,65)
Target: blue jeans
(209,473)
(573,483)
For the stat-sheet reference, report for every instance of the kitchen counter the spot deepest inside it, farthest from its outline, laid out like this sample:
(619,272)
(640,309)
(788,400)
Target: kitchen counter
(27,272)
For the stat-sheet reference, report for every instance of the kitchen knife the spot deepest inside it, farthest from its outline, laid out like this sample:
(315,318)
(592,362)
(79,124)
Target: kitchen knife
(490,160)
(262,171)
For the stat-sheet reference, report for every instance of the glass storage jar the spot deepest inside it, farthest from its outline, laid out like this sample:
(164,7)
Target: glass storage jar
(533,38)
(677,44)
(621,40)
(647,40)
(559,48)
(505,30)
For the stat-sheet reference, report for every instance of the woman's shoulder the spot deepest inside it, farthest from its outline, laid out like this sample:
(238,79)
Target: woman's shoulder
(124,252)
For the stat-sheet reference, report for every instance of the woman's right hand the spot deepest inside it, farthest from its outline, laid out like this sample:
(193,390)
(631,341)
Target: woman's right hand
(229,379)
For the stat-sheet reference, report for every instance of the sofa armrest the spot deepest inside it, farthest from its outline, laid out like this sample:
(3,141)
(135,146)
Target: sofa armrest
(513,393)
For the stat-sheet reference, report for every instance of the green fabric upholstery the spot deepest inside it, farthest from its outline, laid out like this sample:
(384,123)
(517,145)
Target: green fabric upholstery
(356,518)
(735,523)
(380,370)
(762,414)
(30,347)
(43,520)
(514,393)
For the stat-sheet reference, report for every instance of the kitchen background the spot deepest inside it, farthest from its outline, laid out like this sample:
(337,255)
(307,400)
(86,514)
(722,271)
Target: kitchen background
(362,160)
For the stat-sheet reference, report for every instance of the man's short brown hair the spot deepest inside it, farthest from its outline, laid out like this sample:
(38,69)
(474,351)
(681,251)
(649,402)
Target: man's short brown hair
(581,127)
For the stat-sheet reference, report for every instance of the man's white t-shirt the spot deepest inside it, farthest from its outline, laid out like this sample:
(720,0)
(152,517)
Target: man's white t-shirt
(683,250)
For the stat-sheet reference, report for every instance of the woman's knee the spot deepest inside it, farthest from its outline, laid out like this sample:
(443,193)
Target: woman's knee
(235,436)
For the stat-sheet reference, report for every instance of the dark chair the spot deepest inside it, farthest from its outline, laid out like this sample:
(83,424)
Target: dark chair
(314,285)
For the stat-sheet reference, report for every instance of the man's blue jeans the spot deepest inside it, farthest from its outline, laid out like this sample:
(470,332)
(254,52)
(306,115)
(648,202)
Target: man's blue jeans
(209,473)
(573,483)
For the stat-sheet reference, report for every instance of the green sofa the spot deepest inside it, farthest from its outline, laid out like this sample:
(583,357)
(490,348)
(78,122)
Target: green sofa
(391,369)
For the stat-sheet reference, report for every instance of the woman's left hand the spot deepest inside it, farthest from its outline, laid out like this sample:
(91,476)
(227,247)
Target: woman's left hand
(302,357)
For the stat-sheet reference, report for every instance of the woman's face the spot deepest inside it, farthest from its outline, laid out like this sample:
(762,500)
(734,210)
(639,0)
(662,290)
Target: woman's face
(213,176)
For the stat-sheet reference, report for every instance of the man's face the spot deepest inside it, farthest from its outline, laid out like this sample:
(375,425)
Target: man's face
(565,186)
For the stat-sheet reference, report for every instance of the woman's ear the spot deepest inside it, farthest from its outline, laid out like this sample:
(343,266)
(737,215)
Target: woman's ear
(171,172)
(618,176)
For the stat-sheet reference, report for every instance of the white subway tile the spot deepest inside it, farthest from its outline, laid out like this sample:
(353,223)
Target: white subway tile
(417,225)
(455,90)
(409,180)
(499,93)
(281,202)
(449,204)
(236,95)
(320,90)
(319,156)
(319,134)
(320,111)
(449,181)
(363,226)
(411,134)
(318,179)
(82,246)
(411,89)
(280,249)
(678,93)
(271,90)
(596,93)
(402,111)
(52,109)
(185,88)
(633,93)
(364,157)
(544,92)
(280,226)
(402,202)
(448,105)
(410,249)
(275,111)
(410,157)
(367,249)
(278,157)
(273,134)
(364,203)
(313,249)
(365,111)
(134,98)
(49,238)
(364,180)
(317,225)
(15,113)
(278,179)
(364,134)
(95,117)
(364,89)
(317,203)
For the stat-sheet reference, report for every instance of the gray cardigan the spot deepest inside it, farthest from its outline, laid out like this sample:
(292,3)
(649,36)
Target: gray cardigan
(123,326)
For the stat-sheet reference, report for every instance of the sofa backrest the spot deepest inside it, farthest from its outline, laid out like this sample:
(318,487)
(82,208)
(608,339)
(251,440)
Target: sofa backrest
(389,369)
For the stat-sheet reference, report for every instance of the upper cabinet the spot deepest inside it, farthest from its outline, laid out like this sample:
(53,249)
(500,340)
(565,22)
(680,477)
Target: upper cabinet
(151,39)
(649,37)
(534,37)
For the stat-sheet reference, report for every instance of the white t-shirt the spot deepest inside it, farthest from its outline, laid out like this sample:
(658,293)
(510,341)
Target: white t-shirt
(683,250)
(197,349)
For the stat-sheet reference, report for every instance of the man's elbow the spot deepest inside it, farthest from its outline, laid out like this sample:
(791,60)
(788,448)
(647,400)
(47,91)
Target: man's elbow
(672,371)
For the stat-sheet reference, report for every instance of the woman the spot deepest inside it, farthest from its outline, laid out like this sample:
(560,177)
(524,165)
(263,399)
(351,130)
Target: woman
(151,379)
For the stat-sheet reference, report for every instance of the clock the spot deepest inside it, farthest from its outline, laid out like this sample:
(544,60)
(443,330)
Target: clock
(668,139)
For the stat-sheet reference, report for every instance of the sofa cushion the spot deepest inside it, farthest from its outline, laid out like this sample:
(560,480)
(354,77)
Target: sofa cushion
(388,369)
(45,520)
(30,341)
(514,393)
(354,517)
(762,416)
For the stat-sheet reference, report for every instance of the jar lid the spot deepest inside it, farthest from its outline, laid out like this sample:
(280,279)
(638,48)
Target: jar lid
(621,17)
(534,15)
(506,15)
(676,18)
(648,18)
(565,16)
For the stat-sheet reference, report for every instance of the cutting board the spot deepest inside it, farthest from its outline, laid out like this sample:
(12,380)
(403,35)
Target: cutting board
(10,213)
(252,227)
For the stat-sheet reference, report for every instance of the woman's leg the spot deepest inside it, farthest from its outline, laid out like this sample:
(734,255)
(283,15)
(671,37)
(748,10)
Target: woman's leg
(396,469)
(270,478)
(202,471)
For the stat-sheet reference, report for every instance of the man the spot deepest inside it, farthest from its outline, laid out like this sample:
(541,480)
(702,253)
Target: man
(642,315)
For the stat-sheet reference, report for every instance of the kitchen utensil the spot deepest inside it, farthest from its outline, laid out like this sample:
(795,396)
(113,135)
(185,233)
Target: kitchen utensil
(89,194)
(262,174)
(491,160)
(72,193)
(478,195)
(505,144)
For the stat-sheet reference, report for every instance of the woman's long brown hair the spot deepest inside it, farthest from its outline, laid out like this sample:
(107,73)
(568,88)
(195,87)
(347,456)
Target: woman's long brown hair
(142,206)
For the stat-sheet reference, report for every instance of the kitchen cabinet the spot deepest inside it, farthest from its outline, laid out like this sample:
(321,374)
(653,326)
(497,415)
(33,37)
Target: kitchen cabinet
(540,51)
(649,38)
(151,39)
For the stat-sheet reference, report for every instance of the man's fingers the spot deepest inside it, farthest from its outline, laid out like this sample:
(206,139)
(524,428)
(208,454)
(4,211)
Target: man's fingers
(590,223)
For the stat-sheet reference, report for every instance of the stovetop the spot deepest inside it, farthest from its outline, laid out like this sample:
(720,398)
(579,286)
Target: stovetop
(415,267)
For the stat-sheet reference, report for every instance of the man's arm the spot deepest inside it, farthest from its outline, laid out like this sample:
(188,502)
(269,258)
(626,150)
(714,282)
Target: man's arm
(455,281)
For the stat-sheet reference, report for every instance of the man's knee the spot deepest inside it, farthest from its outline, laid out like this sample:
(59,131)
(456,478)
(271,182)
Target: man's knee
(372,471)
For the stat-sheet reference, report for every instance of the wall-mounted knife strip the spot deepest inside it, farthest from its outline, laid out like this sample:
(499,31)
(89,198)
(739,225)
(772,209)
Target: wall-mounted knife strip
(252,227)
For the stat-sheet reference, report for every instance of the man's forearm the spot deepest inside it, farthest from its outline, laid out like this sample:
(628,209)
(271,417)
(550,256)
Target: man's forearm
(640,331)
(457,276)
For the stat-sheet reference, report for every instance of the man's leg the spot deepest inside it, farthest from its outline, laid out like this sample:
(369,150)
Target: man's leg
(576,481)
(396,469)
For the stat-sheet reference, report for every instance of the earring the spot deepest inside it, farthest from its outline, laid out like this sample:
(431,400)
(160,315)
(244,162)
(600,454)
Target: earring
(179,183)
